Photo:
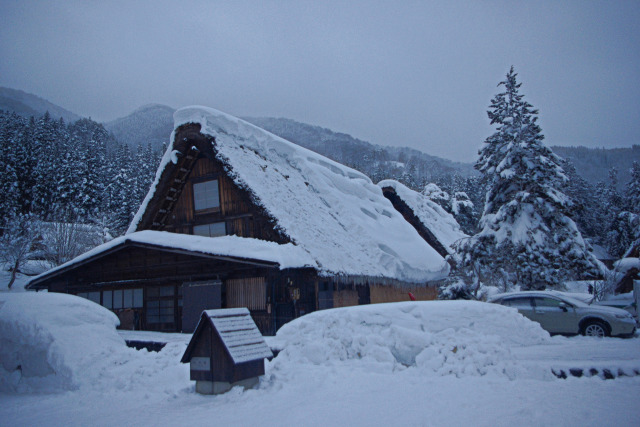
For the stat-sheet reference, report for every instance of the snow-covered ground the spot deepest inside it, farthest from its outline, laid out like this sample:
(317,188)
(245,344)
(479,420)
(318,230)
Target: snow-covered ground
(414,363)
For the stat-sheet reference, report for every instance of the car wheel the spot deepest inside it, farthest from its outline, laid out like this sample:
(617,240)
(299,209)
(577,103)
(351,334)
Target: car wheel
(595,329)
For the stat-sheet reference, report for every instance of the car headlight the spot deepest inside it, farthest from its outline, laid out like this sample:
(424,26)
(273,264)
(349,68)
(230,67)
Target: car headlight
(623,316)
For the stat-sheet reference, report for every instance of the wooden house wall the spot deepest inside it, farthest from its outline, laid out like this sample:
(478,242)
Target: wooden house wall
(147,264)
(252,369)
(387,293)
(242,217)
(345,298)
(250,292)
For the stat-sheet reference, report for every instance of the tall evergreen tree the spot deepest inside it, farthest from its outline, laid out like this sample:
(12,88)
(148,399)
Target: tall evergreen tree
(624,227)
(587,211)
(10,128)
(632,192)
(526,237)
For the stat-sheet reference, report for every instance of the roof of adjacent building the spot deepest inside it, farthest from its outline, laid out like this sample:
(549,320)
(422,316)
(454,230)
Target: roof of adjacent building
(432,216)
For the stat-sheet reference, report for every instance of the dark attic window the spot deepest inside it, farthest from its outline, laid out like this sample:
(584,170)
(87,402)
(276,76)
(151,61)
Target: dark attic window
(206,196)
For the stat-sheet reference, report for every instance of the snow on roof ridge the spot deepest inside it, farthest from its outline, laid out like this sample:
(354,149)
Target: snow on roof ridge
(228,124)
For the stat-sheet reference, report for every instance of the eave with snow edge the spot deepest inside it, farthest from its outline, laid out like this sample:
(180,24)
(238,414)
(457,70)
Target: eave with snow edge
(333,213)
(238,249)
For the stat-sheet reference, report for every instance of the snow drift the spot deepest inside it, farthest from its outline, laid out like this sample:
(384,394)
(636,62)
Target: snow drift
(458,338)
(48,340)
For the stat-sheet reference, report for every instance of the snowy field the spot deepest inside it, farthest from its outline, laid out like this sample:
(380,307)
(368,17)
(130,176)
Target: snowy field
(414,363)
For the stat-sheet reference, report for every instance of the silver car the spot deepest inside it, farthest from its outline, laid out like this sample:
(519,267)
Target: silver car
(559,314)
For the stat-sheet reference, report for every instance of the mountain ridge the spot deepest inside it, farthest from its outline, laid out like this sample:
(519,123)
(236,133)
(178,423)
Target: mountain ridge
(27,104)
(153,123)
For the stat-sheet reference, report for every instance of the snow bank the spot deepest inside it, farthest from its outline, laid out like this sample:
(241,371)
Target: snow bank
(458,338)
(48,341)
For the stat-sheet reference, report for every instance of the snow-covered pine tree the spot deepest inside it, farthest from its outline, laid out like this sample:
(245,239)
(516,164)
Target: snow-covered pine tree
(121,205)
(10,126)
(526,238)
(624,228)
(632,192)
(587,210)
(617,233)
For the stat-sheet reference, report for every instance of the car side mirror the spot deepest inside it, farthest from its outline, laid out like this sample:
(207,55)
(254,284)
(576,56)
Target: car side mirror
(563,306)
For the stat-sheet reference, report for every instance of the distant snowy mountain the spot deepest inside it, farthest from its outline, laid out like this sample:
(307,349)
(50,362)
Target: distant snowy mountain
(151,123)
(27,105)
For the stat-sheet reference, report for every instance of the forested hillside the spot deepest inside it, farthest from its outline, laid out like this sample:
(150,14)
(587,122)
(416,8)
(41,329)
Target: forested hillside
(595,164)
(74,172)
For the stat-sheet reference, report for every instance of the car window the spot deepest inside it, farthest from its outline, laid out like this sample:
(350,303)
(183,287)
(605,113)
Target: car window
(522,302)
(547,302)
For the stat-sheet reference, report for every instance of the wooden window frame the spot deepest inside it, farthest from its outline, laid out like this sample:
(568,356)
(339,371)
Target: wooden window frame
(209,224)
(203,180)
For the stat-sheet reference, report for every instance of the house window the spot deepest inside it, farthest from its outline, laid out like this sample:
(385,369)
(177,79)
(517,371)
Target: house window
(123,298)
(117,299)
(107,299)
(91,296)
(160,306)
(206,195)
(210,230)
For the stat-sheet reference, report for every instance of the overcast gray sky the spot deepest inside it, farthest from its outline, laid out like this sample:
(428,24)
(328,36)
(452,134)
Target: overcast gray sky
(414,73)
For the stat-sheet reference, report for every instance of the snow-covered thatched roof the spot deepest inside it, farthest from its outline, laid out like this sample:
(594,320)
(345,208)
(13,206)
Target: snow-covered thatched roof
(332,212)
(432,217)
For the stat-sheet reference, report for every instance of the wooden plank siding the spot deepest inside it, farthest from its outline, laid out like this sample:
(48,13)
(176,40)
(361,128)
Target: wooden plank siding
(241,216)
(386,293)
(250,292)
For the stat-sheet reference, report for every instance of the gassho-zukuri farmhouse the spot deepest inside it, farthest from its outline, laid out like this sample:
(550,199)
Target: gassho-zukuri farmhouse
(238,217)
